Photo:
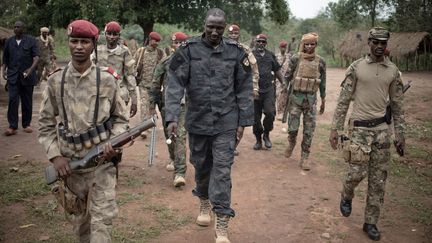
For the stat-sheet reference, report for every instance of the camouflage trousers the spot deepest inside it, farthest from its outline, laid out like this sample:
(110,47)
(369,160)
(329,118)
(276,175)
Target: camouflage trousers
(281,97)
(309,123)
(212,157)
(144,102)
(177,149)
(96,190)
(43,64)
(373,149)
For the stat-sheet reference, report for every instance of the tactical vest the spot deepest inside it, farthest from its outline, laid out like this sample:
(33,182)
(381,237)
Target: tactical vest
(307,76)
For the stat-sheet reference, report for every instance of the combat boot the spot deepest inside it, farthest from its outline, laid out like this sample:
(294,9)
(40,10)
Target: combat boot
(267,143)
(204,216)
(221,228)
(345,207)
(258,144)
(170,166)
(179,181)
(372,231)
(304,162)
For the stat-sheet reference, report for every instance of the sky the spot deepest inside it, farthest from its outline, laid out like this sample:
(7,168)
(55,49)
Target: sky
(304,9)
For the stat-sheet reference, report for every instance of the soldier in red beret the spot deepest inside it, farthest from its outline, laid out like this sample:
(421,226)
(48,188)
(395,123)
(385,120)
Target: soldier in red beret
(73,98)
(118,57)
(177,149)
(147,58)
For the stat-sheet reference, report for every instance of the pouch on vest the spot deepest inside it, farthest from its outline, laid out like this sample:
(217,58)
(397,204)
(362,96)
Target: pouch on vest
(359,154)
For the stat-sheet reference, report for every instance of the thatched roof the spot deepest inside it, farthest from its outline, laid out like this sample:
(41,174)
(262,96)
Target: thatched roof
(5,33)
(400,44)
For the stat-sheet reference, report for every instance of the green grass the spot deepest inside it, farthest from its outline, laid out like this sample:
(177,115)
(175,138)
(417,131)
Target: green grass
(24,184)
(126,197)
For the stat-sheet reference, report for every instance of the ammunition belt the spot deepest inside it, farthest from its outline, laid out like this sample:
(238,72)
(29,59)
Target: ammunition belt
(306,84)
(93,135)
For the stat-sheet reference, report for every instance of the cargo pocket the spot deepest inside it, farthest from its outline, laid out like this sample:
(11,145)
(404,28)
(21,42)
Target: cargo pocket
(359,154)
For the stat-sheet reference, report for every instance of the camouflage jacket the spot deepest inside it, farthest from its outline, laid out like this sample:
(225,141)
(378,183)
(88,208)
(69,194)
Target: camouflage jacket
(121,60)
(283,60)
(46,48)
(218,84)
(146,60)
(159,82)
(79,102)
(290,74)
(371,86)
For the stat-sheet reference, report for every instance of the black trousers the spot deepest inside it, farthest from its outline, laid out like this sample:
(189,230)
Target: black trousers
(212,157)
(19,92)
(265,104)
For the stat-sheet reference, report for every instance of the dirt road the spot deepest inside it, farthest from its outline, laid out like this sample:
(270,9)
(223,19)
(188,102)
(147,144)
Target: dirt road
(274,200)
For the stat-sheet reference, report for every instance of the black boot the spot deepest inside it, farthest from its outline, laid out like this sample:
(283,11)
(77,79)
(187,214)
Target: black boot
(258,144)
(372,231)
(267,142)
(345,207)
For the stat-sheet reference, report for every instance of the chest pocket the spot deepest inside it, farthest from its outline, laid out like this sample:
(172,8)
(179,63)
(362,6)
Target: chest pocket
(105,103)
(228,71)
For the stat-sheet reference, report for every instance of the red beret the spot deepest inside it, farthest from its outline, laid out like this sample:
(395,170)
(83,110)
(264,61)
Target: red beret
(155,36)
(233,27)
(113,27)
(283,43)
(261,36)
(180,36)
(83,29)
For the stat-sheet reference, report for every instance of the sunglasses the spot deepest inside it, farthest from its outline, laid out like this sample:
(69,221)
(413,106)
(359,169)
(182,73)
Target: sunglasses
(261,41)
(376,42)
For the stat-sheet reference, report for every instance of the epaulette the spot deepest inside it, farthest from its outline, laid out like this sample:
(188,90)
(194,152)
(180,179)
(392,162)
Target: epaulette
(51,73)
(189,41)
(112,72)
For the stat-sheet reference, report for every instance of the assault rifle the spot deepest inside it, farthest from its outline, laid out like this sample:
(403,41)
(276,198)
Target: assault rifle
(118,141)
(286,108)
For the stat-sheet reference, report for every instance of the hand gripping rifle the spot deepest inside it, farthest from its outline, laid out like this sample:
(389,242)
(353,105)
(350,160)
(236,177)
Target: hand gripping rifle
(118,141)
(286,108)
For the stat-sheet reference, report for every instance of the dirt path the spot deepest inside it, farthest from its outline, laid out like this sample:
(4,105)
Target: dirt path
(274,200)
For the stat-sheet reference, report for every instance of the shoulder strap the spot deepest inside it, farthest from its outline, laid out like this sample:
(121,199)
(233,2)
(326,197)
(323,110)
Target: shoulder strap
(62,95)
(96,111)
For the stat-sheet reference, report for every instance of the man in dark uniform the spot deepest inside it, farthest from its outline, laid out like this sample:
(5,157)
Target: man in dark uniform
(268,68)
(20,58)
(217,77)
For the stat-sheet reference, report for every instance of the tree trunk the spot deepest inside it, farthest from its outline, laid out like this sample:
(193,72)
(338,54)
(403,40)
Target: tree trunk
(147,26)
(373,12)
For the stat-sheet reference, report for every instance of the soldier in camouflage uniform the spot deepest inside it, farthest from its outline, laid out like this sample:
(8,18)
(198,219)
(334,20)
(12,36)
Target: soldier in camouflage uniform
(234,34)
(89,194)
(216,75)
(146,60)
(177,149)
(119,57)
(132,45)
(306,74)
(281,92)
(372,83)
(46,50)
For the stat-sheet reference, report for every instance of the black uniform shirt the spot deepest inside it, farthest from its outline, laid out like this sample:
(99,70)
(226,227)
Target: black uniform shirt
(266,64)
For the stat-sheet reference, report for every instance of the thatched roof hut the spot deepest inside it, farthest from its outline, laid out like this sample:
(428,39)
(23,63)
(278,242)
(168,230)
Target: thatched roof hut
(5,33)
(401,44)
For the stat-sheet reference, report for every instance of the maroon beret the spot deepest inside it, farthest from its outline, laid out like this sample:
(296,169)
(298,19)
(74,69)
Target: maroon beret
(261,36)
(283,43)
(83,29)
(113,27)
(180,36)
(234,27)
(155,36)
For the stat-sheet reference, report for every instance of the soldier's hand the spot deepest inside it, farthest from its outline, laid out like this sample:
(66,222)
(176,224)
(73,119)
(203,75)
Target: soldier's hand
(27,73)
(322,107)
(239,135)
(61,165)
(333,139)
(400,146)
(172,128)
(108,152)
(255,94)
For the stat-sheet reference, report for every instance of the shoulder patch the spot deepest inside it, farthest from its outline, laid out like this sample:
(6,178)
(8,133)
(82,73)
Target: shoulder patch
(113,72)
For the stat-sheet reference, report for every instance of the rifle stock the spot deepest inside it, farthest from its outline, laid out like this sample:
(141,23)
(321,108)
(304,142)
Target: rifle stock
(118,141)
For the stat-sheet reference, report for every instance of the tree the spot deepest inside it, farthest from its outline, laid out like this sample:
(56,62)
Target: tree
(414,15)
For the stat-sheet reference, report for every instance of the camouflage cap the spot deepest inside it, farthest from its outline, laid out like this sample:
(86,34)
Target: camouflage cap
(379,33)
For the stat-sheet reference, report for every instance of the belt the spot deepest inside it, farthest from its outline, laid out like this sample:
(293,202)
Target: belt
(369,123)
